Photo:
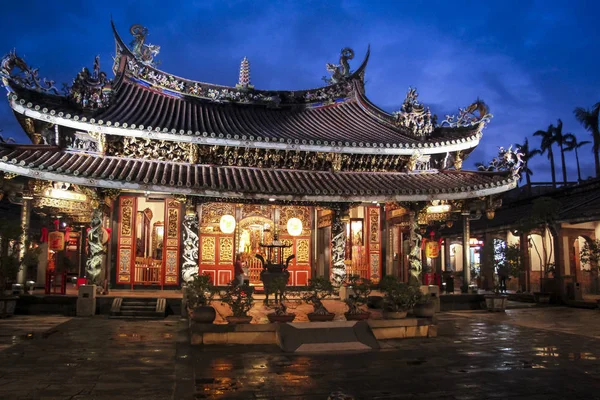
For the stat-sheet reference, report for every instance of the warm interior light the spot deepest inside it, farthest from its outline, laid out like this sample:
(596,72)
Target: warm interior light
(294,226)
(449,223)
(490,214)
(441,208)
(227,224)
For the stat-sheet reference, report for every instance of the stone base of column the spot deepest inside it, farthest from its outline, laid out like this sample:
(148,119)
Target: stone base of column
(86,301)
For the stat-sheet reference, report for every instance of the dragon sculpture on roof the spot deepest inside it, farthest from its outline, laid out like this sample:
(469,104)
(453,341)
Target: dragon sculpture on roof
(341,71)
(467,116)
(143,51)
(26,77)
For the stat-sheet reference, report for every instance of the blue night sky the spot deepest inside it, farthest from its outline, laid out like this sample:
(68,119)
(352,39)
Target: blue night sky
(531,61)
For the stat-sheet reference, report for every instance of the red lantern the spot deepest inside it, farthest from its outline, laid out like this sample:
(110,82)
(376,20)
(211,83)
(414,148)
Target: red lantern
(56,241)
(432,249)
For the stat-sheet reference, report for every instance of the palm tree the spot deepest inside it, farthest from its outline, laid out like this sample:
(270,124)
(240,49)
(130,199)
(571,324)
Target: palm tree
(589,120)
(559,138)
(548,140)
(527,155)
(572,144)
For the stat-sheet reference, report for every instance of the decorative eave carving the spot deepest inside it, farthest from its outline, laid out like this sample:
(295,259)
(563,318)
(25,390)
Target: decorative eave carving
(467,116)
(507,160)
(26,76)
(91,91)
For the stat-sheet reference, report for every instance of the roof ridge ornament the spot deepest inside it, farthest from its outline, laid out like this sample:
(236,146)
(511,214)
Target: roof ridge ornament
(414,116)
(244,79)
(340,72)
(91,91)
(145,52)
(466,116)
(26,77)
(507,160)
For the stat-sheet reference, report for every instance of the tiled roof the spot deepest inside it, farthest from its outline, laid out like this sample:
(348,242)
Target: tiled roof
(349,123)
(51,163)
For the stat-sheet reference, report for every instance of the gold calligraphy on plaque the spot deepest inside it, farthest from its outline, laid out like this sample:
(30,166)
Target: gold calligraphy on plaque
(208,250)
(374,225)
(126,217)
(173,219)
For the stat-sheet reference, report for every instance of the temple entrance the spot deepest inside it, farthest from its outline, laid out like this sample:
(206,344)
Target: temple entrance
(253,232)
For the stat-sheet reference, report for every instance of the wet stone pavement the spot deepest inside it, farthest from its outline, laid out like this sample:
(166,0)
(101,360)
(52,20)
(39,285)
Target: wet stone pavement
(520,355)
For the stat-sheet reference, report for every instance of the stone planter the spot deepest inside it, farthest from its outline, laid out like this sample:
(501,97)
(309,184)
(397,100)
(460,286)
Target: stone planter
(357,317)
(424,310)
(496,303)
(7,306)
(320,317)
(288,317)
(203,314)
(239,320)
(542,298)
(394,314)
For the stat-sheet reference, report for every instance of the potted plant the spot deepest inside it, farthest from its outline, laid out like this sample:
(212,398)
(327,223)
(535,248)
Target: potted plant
(398,297)
(9,268)
(280,313)
(200,292)
(424,306)
(239,298)
(317,290)
(361,288)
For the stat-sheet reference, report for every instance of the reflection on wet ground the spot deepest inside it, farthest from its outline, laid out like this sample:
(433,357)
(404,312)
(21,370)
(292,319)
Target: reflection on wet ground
(471,359)
(477,356)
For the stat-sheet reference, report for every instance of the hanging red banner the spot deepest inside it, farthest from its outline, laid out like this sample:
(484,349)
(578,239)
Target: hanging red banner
(432,249)
(56,241)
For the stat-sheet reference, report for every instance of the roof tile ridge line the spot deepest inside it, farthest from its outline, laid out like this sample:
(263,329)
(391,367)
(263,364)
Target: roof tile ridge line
(581,204)
(127,71)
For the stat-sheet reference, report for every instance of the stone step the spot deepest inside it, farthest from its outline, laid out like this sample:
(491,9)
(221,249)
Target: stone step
(146,317)
(141,308)
(139,303)
(139,313)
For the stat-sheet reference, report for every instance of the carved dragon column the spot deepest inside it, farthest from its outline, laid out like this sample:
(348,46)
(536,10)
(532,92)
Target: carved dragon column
(25,217)
(96,251)
(189,266)
(414,257)
(338,243)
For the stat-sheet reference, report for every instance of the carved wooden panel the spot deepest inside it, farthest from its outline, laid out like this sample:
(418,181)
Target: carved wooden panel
(255,210)
(126,242)
(212,212)
(226,250)
(302,213)
(374,225)
(208,250)
(303,251)
(374,243)
(171,242)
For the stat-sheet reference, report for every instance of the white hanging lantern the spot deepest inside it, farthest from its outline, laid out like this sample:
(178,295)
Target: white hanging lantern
(227,224)
(294,227)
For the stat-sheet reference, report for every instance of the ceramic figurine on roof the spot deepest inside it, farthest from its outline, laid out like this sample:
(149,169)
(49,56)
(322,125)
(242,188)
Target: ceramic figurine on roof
(244,80)
(467,117)
(340,71)
(26,77)
(145,52)
(91,91)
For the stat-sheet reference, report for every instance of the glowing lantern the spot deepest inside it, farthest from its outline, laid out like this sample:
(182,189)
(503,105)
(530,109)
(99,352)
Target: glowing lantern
(227,224)
(294,226)
(432,249)
(56,241)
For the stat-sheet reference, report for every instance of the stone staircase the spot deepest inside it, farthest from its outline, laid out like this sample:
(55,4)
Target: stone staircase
(138,308)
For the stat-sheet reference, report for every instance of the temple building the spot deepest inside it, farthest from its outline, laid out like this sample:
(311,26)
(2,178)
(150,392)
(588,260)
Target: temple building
(174,177)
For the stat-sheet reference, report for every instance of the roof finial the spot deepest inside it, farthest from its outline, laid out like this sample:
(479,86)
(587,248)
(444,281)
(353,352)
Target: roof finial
(244,81)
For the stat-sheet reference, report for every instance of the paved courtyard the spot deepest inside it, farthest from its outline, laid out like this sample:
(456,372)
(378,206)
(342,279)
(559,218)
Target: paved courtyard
(534,353)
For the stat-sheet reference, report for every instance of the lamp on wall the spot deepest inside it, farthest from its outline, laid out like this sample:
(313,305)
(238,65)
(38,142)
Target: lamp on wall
(294,226)
(490,213)
(227,223)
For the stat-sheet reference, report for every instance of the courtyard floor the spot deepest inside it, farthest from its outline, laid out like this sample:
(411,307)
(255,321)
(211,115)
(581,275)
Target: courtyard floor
(529,353)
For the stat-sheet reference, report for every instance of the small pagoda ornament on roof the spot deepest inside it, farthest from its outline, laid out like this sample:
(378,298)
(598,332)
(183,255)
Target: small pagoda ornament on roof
(244,80)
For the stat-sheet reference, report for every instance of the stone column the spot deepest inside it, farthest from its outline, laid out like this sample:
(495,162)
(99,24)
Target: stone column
(189,267)
(338,243)
(487,262)
(525,261)
(25,217)
(466,254)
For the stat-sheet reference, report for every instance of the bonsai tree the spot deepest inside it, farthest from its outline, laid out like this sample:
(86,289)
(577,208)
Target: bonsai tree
(317,290)
(239,298)
(9,269)
(200,291)
(397,296)
(590,253)
(362,289)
